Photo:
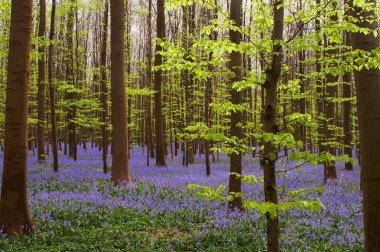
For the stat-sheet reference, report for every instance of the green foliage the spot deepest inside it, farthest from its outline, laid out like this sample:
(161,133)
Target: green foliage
(296,193)
(272,209)
(208,193)
(139,91)
(265,208)
(248,179)
(283,139)
(209,4)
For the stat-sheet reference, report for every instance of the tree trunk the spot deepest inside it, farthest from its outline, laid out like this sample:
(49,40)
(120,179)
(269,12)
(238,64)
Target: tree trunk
(347,110)
(41,84)
(331,92)
(236,99)
(15,218)
(160,148)
(367,82)
(213,36)
(104,91)
(52,90)
(273,74)
(319,82)
(148,121)
(302,65)
(71,93)
(120,161)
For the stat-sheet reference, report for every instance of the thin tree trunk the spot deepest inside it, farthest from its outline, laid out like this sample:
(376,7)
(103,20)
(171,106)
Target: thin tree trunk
(52,90)
(319,82)
(236,99)
(160,148)
(104,91)
(212,15)
(273,75)
(301,59)
(41,84)
(148,121)
(71,95)
(331,92)
(347,110)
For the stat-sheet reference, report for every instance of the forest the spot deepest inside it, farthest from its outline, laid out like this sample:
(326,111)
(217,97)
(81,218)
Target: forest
(190,125)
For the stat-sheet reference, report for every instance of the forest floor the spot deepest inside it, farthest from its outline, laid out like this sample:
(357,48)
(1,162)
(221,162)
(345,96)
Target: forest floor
(78,209)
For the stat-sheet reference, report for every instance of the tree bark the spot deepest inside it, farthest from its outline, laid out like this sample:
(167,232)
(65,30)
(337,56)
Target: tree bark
(104,91)
(367,82)
(149,55)
(41,83)
(319,82)
(120,161)
(273,74)
(14,211)
(347,110)
(71,94)
(160,148)
(212,15)
(52,90)
(331,92)
(236,99)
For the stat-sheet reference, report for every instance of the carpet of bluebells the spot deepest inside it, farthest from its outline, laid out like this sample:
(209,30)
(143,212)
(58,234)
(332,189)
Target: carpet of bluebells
(78,209)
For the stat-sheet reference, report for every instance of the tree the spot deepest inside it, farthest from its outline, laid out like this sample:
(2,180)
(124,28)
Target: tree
(120,162)
(160,148)
(367,82)
(148,121)
(236,157)
(14,211)
(273,75)
(104,91)
(71,93)
(41,83)
(208,100)
(347,109)
(319,81)
(188,77)
(52,89)
(331,92)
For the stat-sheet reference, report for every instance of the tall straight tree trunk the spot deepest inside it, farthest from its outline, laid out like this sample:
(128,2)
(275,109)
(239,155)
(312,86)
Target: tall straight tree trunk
(41,84)
(367,82)
(301,62)
(120,161)
(71,95)
(149,55)
(273,75)
(236,99)
(189,81)
(52,90)
(186,83)
(347,110)
(319,82)
(212,15)
(104,91)
(128,58)
(160,148)
(331,92)
(15,218)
